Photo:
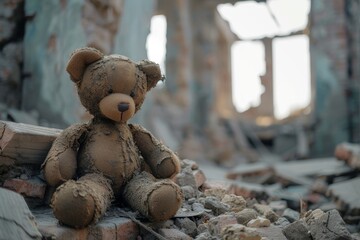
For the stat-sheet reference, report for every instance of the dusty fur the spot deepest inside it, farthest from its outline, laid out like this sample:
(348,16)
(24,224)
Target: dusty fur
(104,159)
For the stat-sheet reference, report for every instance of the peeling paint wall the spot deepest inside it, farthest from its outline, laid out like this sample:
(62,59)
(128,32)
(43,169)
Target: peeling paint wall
(329,55)
(54,30)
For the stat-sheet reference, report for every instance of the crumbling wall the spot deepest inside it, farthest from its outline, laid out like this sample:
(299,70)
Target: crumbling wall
(55,28)
(11,34)
(329,48)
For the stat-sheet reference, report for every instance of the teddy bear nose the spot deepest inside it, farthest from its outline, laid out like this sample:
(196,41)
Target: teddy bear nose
(123,106)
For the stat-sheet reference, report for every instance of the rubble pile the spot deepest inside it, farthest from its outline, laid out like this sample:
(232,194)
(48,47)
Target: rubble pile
(308,199)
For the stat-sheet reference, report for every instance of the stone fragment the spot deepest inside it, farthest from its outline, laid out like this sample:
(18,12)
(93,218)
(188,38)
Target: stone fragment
(173,234)
(187,226)
(205,236)
(258,222)
(200,177)
(202,228)
(244,216)
(188,192)
(266,211)
(297,230)
(216,224)
(329,225)
(198,207)
(282,222)
(216,205)
(30,188)
(186,178)
(291,215)
(238,231)
(270,233)
(311,216)
(236,203)
(217,192)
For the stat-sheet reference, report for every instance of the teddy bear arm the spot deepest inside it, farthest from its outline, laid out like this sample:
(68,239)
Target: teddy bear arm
(60,164)
(162,161)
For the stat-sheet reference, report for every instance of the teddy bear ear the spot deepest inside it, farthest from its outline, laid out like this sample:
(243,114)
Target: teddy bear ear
(152,72)
(80,59)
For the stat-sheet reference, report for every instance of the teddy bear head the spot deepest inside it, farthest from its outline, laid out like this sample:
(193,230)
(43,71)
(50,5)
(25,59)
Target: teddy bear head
(112,87)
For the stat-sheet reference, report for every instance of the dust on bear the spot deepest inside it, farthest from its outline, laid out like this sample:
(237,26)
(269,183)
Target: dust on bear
(93,163)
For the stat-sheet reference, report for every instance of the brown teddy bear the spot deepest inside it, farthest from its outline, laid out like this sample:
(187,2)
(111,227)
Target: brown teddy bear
(107,158)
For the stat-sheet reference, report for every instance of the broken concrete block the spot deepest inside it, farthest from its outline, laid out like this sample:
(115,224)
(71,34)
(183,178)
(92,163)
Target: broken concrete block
(216,224)
(297,230)
(173,234)
(30,188)
(258,222)
(329,225)
(238,231)
(236,203)
(16,220)
(244,216)
(346,195)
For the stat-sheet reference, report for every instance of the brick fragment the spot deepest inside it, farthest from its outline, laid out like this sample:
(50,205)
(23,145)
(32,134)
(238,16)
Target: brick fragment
(30,188)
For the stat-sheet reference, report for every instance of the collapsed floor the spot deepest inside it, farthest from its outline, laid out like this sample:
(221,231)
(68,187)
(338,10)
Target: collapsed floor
(308,199)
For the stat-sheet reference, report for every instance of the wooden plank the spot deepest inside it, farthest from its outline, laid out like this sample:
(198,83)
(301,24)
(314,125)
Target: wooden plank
(24,143)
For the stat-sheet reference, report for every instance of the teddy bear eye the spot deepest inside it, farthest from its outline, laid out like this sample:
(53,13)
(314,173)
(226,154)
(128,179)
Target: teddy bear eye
(110,91)
(132,94)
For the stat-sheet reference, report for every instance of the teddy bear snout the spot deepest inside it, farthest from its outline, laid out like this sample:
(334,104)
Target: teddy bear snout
(117,107)
(123,107)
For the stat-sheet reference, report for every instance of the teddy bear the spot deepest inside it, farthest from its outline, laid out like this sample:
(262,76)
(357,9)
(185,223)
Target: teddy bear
(91,164)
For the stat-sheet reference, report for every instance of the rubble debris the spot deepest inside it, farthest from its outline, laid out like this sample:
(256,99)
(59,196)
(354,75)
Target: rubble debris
(346,195)
(297,230)
(329,226)
(349,153)
(24,143)
(236,203)
(258,222)
(244,216)
(174,234)
(29,187)
(238,231)
(291,215)
(16,220)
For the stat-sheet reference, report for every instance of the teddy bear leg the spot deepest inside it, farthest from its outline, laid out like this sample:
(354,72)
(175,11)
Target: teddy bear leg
(79,203)
(156,199)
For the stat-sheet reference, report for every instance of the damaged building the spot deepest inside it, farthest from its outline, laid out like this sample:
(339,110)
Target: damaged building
(267,162)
